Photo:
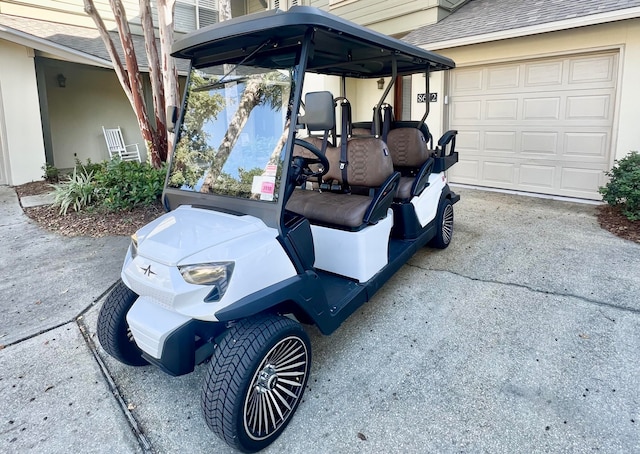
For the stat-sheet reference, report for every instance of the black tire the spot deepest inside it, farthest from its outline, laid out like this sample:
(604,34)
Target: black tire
(444,224)
(243,387)
(113,330)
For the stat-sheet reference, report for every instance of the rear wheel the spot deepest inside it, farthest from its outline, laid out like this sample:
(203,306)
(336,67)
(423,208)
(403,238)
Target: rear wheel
(444,224)
(255,381)
(113,330)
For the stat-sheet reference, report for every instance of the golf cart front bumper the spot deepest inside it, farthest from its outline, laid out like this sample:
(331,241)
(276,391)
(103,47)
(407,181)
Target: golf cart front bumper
(171,341)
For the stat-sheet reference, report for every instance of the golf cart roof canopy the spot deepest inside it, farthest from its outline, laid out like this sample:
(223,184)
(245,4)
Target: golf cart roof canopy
(341,48)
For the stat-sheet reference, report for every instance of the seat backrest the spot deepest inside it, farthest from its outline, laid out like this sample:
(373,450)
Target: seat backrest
(113,137)
(369,163)
(408,147)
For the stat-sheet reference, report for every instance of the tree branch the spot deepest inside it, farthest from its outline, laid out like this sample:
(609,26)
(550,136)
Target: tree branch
(90,9)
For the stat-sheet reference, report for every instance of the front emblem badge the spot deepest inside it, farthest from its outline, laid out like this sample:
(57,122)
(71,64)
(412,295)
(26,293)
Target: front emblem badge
(147,271)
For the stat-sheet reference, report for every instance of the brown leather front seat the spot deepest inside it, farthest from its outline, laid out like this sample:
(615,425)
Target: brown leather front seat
(369,169)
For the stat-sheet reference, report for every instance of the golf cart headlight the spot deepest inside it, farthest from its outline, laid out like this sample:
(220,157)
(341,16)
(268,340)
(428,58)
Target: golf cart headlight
(134,246)
(216,274)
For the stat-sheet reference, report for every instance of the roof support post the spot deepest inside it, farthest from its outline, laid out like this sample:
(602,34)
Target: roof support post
(427,101)
(376,116)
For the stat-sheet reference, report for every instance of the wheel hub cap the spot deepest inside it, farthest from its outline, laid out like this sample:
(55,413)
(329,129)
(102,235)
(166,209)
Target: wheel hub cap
(267,379)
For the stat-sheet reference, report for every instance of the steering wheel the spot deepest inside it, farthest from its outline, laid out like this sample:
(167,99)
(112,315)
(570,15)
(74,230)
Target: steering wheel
(300,164)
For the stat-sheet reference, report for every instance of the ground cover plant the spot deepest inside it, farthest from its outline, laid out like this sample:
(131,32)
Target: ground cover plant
(112,185)
(99,199)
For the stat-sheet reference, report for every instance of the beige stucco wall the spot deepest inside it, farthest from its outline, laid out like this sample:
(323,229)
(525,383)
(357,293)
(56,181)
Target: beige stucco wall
(22,129)
(362,94)
(91,99)
(623,36)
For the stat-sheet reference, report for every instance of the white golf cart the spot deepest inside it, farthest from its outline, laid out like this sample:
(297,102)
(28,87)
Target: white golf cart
(278,213)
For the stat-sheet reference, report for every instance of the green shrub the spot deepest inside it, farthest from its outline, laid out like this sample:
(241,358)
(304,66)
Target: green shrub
(623,188)
(78,192)
(51,173)
(123,185)
(93,167)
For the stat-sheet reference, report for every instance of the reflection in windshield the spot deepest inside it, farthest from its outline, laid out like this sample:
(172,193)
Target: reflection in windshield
(233,133)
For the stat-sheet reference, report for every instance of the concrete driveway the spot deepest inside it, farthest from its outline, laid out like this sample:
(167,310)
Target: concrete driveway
(522,336)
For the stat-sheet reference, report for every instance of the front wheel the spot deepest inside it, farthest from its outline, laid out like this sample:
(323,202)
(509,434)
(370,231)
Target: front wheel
(113,330)
(444,224)
(255,381)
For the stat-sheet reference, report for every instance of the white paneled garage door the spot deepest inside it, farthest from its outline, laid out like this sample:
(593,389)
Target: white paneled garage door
(539,126)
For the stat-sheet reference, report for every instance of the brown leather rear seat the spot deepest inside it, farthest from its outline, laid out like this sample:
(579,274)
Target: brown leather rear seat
(408,148)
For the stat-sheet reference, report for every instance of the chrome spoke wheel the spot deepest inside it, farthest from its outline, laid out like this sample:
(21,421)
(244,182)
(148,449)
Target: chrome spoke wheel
(447,224)
(275,388)
(255,380)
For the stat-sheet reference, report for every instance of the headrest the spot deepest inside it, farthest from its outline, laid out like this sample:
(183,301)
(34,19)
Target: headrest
(319,111)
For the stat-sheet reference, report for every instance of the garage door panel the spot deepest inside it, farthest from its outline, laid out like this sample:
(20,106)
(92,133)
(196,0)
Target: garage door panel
(593,107)
(585,145)
(468,141)
(580,180)
(541,108)
(467,110)
(502,109)
(543,74)
(592,70)
(539,142)
(542,126)
(470,80)
(500,173)
(500,141)
(503,77)
(537,177)
(465,171)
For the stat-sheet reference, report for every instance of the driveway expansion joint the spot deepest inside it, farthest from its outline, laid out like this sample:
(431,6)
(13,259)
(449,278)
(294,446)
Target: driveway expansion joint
(74,319)
(143,441)
(586,300)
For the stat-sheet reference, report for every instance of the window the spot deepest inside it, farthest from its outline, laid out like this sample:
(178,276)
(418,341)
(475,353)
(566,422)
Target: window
(232,134)
(193,14)
(285,4)
(405,114)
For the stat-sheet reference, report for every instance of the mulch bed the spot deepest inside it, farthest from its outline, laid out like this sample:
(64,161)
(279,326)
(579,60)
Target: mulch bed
(103,223)
(611,219)
(93,223)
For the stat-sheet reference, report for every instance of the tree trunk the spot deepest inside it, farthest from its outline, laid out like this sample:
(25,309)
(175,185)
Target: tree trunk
(224,10)
(129,75)
(157,90)
(169,71)
(250,99)
(277,150)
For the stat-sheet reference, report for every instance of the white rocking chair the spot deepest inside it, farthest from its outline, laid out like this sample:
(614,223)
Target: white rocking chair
(117,147)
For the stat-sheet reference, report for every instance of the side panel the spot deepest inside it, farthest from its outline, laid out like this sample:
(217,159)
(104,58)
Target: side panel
(426,205)
(358,255)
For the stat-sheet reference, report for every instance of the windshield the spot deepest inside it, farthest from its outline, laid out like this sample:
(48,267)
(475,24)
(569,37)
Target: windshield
(234,128)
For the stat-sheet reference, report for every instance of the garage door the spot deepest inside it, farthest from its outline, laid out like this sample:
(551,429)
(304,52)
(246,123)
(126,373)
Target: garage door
(540,126)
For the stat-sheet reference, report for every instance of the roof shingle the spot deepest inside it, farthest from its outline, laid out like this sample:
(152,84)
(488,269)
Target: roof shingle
(479,17)
(80,39)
